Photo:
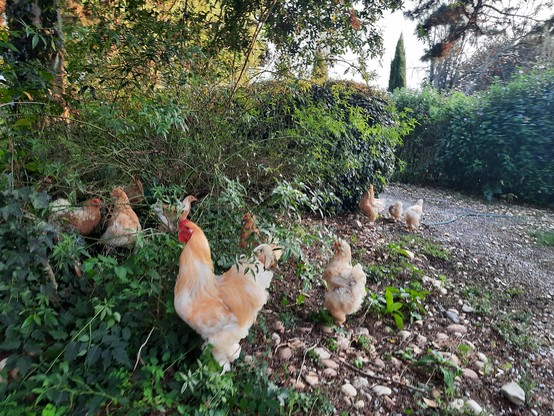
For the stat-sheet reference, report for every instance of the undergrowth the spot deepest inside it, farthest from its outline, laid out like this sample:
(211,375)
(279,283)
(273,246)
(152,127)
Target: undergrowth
(89,331)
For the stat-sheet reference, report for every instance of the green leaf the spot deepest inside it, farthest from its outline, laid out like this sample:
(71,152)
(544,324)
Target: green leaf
(34,41)
(93,355)
(71,351)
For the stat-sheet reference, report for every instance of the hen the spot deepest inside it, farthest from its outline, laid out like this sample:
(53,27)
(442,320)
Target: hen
(371,206)
(413,215)
(220,308)
(395,210)
(170,214)
(82,219)
(248,228)
(135,191)
(345,284)
(124,225)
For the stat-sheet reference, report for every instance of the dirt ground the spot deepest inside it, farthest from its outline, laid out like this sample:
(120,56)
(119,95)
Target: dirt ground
(497,282)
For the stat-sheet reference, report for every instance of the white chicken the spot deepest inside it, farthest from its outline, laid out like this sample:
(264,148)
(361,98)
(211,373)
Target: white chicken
(345,284)
(413,214)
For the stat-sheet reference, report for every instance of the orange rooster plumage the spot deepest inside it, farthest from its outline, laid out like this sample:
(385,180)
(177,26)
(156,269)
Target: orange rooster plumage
(220,308)
(345,284)
(124,225)
(82,219)
(371,206)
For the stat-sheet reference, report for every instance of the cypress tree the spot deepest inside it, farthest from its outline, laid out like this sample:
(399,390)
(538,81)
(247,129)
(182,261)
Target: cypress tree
(397,78)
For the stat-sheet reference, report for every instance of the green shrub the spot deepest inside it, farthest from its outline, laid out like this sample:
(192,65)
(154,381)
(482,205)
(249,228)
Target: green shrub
(332,140)
(88,332)
(496,144)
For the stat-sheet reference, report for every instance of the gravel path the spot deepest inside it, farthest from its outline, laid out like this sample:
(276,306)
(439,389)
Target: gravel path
(497,234)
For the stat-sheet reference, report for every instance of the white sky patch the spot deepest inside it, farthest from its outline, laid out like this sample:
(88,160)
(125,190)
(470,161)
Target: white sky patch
(392,25)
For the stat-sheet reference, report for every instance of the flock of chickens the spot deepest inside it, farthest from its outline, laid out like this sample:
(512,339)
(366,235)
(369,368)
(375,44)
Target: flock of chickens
(223,308)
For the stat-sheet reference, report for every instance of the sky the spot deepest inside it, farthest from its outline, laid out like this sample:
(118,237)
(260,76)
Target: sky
(392,25)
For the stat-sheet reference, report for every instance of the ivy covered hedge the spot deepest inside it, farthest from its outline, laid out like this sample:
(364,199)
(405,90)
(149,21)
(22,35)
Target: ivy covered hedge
(497,144)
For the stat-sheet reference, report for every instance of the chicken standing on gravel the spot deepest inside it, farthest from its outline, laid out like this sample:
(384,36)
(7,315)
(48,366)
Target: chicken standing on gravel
(371,206)
(413,215)
(395,210)
(345,284)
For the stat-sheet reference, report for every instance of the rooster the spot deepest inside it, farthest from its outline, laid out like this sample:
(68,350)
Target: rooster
(345,284)
(413,215)
(124,225)
(248,228)
(169,214)
(395,210)
(220,308)
(81,219)
(371,206)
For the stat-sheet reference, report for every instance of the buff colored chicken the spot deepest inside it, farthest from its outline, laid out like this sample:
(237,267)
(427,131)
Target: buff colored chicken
(124,225)
(395,210)
(81,219)
(413,215)
(220,308)
(345,284)
(169,214)
(248,228)
(371,206)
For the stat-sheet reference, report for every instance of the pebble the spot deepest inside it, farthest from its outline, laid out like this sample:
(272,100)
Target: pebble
(360,382)
(453,316)
(359,405)
(404,335)
(349,390)
(248,359)
(473,407)
(297,385)
(279,326)
(470,374)
(456,328)
(330,364)
(450,357)
(381,390)
(421,340)
(379,363)
(440,337)
(276,338)
(361,331)
(322,353)
(311,378)
(482,357)
(467,309)
(284,353)
(514,393)
(330,373)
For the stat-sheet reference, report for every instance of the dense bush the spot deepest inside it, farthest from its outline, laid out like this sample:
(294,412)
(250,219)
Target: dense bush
(85,331)
(328,143)
(497,144)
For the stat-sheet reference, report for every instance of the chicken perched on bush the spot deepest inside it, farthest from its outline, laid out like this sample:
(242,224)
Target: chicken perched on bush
(371,206)
(123,225)
(345,284)
(249,231)
(82,219)
(169,214)
(395,210)
(413,215)
(220,308)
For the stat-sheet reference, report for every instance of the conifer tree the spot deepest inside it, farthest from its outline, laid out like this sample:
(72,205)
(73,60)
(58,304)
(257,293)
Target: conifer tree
(397,78)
